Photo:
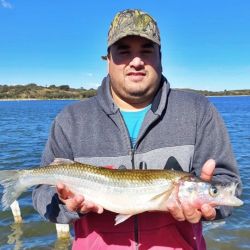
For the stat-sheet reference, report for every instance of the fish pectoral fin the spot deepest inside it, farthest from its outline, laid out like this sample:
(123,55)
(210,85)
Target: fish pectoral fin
(163,195)
(160,200)
(121,218)
(59,161)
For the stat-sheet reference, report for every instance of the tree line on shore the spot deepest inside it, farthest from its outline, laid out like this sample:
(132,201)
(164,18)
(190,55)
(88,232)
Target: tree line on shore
(34,91)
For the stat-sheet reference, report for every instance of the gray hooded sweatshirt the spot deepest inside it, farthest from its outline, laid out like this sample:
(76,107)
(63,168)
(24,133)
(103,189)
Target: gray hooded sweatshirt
(181,131)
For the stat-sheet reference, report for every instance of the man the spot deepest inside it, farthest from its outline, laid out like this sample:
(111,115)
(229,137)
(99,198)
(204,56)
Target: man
(137,121)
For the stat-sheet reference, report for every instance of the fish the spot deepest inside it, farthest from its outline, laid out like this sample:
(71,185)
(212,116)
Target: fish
(122,191)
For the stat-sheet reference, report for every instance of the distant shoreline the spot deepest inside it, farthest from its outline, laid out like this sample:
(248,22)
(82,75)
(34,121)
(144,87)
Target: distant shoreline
(33,91)
(78,99)
(226,95)
(34,99)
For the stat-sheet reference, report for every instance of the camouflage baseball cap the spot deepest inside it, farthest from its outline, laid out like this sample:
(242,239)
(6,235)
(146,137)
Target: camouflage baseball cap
(133,22)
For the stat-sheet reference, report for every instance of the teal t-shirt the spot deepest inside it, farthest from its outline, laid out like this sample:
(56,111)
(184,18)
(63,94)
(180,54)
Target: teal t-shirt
(133,121)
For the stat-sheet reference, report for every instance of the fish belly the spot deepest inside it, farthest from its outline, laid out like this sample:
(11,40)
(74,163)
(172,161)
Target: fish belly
(129,200)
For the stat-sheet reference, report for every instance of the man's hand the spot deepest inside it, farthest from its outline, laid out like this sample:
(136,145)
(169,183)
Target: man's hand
(76,203)
(185,211)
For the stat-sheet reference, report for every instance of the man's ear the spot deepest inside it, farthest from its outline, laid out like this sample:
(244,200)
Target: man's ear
(108,54)
(160,59)
(108,61)
(108,57)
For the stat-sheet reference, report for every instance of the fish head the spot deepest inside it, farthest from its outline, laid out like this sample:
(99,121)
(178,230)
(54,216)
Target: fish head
(198,193)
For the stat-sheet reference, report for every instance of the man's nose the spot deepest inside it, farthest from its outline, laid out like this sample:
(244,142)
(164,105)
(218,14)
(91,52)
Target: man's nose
(136,62)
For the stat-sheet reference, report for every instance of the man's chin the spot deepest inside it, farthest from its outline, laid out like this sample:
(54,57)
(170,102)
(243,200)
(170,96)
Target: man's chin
(137,94)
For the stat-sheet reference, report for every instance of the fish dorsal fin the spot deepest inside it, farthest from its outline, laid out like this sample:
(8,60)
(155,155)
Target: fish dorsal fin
(121,218)
(59,161)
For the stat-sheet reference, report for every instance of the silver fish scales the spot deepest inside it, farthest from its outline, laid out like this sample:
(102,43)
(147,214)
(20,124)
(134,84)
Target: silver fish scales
(126,192)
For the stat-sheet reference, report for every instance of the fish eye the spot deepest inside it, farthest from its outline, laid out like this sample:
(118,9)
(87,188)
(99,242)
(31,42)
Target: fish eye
(213,191)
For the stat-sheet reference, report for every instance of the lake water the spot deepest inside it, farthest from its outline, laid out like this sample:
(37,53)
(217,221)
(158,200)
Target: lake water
(24,128)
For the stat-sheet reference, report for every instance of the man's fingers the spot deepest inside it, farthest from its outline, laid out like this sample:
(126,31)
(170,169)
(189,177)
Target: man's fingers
(175,210)
(86,207)
(97,209)
(191,214)
(75,203)
(207,170)
(63,191)
(174,207)
(208,212)
(89,206)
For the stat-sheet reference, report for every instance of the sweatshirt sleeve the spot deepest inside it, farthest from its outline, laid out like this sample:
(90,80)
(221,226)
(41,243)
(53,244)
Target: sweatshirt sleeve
(212,142)
(45,198)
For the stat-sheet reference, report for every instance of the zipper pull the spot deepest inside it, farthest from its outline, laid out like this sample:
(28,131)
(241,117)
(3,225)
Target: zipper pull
(143,165)
(132,154)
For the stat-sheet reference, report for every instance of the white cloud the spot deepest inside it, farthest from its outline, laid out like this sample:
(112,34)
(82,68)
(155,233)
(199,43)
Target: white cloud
(5,4)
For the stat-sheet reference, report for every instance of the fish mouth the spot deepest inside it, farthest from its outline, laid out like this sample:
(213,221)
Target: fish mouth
(228,195)
(236,202)
(233,201)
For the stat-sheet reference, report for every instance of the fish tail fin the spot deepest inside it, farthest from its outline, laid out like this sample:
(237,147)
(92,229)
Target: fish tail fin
(9,179)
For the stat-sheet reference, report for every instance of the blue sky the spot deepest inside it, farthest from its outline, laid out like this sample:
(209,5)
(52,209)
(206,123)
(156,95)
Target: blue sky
(205,44)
